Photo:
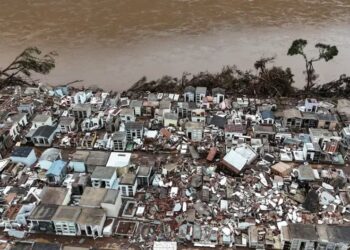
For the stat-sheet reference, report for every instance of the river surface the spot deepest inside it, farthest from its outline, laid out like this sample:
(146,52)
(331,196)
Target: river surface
(113,43)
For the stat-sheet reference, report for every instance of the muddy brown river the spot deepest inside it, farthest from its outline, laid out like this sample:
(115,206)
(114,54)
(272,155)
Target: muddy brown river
(113,43)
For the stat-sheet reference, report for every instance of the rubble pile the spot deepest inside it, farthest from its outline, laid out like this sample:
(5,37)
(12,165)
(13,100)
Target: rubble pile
(199,168)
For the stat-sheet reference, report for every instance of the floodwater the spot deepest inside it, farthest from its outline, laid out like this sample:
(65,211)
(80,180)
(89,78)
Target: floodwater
(113,43)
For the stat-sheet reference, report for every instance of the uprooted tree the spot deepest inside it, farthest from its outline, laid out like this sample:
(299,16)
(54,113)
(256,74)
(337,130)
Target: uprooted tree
(325,52)
(30,61)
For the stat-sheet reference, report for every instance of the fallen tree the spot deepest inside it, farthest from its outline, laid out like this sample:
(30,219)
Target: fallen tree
(20,70)
(269,81)
(337,88)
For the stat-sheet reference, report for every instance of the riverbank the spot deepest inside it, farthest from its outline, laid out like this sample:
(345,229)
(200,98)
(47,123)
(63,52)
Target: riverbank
(238,83)
(115,44)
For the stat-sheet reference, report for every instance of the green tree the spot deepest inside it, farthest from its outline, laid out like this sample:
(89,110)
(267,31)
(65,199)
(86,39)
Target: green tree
(325,52)
(30,61)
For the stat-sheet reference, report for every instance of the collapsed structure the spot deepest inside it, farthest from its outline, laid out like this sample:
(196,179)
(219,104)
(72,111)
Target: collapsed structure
(197,168)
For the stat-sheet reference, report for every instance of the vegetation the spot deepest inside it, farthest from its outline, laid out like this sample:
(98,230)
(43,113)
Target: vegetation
(30,61)
(325,52)
(334,89)
(273,81)
(269,81)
